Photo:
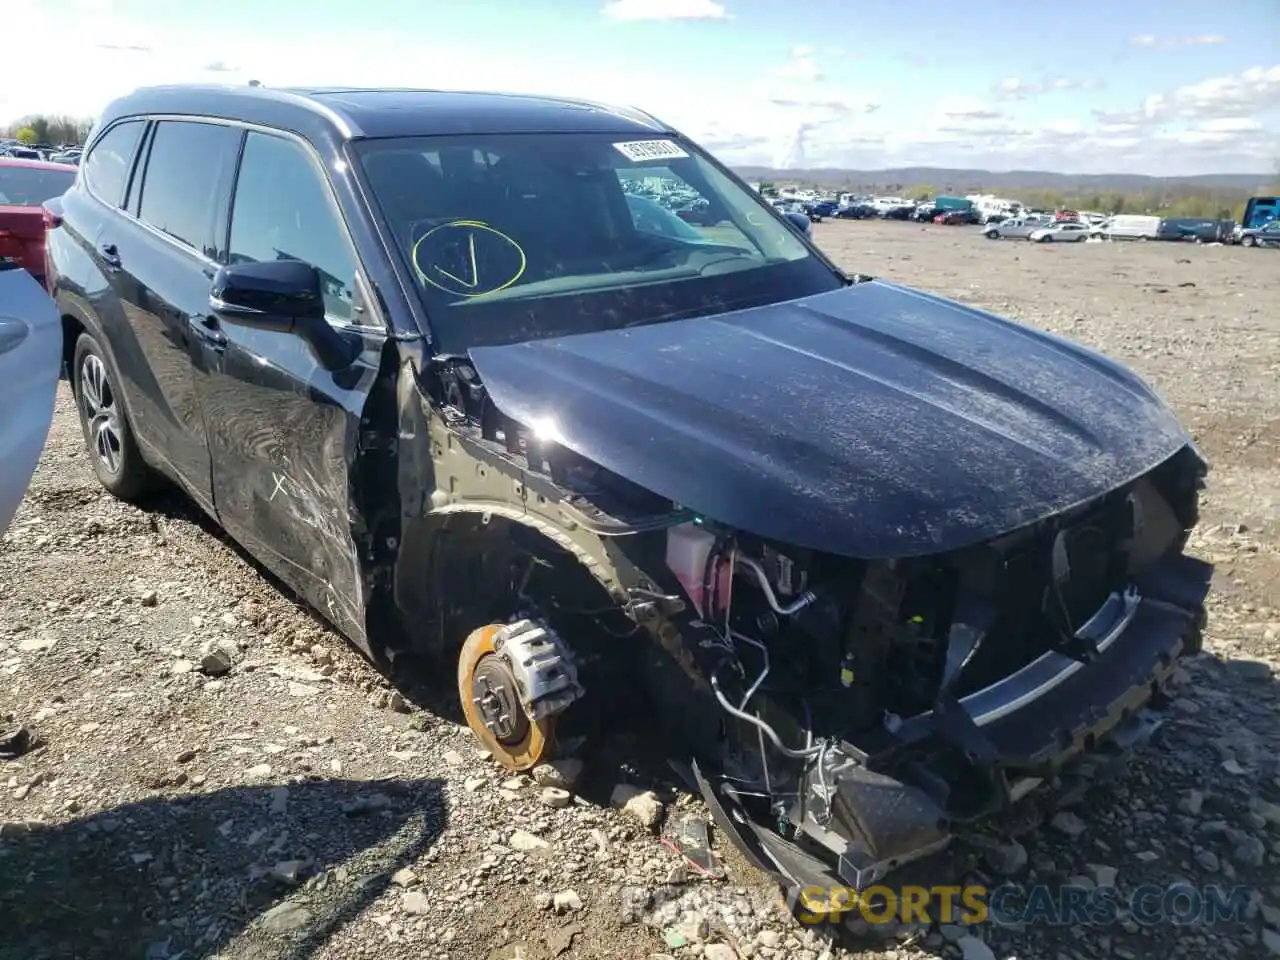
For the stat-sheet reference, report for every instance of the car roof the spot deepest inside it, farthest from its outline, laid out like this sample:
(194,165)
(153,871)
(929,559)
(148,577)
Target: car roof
(36,164)
(350,113)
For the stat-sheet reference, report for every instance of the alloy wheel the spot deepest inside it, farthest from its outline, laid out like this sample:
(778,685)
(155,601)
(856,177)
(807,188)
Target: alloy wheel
(101,413)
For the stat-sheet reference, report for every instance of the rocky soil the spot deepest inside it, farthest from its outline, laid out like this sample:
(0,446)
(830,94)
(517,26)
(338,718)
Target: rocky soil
(214,773)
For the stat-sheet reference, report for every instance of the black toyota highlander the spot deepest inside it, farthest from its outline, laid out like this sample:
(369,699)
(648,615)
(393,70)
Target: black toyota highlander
(460,369)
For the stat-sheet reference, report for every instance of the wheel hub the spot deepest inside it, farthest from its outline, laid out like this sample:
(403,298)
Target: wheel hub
(99,402)
(493,691)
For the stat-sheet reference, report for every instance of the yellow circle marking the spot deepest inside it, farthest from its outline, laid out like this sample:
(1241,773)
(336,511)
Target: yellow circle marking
(472,286)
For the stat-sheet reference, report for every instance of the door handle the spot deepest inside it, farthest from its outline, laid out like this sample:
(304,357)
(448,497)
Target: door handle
(205,327)
(110,255)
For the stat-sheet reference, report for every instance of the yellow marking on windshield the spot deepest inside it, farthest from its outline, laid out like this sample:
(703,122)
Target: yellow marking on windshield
(489,251)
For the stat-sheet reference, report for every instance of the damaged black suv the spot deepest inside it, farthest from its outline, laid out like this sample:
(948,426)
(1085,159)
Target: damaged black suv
(455,368)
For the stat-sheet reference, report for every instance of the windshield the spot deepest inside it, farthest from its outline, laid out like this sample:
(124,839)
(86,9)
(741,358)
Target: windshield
(32,186)
(523,237)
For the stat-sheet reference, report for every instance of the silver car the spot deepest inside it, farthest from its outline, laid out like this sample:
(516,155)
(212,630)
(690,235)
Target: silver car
(1064,232)
(1015,227)
(30,358)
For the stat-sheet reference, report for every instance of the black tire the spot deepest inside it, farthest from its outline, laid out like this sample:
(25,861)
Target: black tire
(108,435)
(1248,242)
(992,235)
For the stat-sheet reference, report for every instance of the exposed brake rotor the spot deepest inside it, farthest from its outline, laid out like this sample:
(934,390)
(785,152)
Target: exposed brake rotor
(491,702)
(493,692)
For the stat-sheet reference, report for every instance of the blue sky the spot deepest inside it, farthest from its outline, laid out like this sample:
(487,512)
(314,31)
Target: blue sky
(1169,87)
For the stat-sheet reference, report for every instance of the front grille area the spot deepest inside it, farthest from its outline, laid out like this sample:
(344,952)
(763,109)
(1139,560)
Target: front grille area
(1047,589)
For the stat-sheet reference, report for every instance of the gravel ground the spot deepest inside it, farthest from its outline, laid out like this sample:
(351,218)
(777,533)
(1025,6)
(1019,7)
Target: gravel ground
(218,775)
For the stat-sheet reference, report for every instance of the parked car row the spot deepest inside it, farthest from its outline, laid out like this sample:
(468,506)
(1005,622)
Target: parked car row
(39,151)
(1003,218)
(1133,227)
(1267,235)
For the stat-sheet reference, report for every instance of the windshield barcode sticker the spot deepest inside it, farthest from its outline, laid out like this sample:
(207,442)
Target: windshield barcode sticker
(638,151)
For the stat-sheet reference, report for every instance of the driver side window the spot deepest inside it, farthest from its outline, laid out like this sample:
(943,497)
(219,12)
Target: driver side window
(283,210)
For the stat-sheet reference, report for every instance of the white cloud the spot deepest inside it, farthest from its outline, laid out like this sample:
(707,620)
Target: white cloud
(1149,40)
(665,10)
(803,68)
(1015,88)
(951,109)
(1252,91)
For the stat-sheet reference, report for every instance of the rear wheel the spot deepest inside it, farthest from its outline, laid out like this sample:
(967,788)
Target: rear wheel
(108,435)
(491,702)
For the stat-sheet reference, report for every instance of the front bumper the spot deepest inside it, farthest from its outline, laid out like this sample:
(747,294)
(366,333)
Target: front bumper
(865,811)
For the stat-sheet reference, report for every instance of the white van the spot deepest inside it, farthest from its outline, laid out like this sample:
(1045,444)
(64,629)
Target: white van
(1126,226)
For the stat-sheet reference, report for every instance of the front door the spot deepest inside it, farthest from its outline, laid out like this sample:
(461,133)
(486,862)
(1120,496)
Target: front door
(282,429)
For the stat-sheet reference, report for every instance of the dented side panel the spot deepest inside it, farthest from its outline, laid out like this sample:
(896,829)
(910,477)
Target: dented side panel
(284,437)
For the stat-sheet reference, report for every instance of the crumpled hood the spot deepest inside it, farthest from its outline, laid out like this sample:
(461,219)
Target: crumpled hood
(873,421)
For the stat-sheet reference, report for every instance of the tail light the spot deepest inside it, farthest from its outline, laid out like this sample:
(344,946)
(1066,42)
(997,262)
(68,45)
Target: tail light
(52,220)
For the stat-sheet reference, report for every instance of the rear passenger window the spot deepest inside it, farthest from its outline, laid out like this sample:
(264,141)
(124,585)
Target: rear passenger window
(106,170)
(188,176)
(284,211)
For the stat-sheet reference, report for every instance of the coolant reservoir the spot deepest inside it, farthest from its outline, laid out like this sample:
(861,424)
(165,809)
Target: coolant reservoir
(688,547)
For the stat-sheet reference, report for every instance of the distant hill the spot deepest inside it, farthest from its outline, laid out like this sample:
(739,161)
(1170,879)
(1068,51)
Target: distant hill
(968,181)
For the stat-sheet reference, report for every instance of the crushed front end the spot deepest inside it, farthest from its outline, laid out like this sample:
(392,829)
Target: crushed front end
(872,707)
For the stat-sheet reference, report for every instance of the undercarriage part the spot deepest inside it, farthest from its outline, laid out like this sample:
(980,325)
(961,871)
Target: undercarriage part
(513,681)
(784,610)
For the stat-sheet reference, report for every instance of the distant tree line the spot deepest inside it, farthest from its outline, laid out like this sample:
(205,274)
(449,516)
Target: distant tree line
(53,130)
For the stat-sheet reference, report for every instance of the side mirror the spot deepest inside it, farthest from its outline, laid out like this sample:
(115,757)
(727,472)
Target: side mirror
(284,296)
(272,295)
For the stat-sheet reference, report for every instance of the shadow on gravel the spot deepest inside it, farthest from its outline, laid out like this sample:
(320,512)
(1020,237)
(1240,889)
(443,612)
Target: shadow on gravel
(174,877)
(422,682)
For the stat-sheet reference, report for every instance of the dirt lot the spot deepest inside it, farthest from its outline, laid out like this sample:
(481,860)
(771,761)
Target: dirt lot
(294,806)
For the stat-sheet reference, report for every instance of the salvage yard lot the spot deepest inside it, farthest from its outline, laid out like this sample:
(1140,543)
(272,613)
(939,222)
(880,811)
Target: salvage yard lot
(295,806)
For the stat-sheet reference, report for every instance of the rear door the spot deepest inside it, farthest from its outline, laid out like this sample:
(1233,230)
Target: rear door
(283,430)
(162,255)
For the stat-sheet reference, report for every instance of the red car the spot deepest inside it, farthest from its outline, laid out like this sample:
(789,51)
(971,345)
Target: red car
(24,187)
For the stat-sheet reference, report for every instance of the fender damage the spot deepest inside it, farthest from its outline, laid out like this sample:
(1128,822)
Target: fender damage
(898,592)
